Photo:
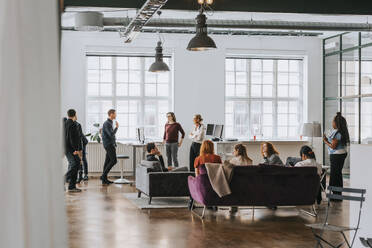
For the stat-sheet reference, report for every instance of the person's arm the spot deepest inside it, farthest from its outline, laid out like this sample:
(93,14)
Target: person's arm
(75,138)
(116,127)
(196,166)
(182,132)
(332,144)
(165,131)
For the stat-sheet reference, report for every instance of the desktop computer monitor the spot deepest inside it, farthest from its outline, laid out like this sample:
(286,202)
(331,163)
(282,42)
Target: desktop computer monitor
(210,129)
(218,130)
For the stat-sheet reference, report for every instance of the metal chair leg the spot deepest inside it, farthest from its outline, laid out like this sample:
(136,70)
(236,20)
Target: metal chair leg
(313,213)
(193,210)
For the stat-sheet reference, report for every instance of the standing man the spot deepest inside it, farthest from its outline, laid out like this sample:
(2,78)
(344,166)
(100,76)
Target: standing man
(84,166)
(109,143)
(72,150)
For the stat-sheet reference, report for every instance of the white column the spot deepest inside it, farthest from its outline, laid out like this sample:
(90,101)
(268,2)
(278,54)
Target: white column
(360,177)
(32,209)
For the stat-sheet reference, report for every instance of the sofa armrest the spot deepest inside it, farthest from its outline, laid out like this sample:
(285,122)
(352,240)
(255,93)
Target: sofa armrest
(142,179)
(169,183)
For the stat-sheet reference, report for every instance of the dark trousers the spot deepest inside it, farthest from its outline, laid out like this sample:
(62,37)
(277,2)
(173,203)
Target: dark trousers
(110,160)
(84,166)
(337,163)
(73,167)
(194,152)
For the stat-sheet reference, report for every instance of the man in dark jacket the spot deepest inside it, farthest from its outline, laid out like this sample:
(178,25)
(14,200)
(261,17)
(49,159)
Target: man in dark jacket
(72,149)
(155,155)
(84,166)
(109,143)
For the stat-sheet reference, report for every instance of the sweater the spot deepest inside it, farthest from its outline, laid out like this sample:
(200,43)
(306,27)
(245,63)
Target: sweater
(171,132)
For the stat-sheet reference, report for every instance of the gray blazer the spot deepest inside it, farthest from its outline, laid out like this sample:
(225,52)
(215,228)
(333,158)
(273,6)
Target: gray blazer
(274,159)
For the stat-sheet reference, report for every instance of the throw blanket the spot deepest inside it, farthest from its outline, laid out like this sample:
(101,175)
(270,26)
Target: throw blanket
(220,176)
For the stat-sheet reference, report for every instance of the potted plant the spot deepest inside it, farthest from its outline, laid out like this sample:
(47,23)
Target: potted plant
(95,136)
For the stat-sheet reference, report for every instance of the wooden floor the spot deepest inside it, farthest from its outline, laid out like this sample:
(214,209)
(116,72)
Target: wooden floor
(102,217)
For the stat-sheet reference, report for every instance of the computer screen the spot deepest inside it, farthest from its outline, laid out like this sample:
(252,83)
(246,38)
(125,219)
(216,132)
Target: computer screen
(210,129)
(218,131)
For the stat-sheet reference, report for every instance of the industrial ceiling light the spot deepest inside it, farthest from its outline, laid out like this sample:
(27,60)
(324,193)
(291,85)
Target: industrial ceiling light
(201,40)
(159,65)
(88,21)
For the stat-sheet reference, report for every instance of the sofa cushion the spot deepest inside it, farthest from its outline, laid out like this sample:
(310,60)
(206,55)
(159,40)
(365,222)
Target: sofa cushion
(152,166)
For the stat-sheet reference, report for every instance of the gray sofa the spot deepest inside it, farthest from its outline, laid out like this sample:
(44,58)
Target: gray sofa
(151,181)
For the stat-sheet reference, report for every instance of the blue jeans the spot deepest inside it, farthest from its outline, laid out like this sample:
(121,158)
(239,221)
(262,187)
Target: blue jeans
(172,151)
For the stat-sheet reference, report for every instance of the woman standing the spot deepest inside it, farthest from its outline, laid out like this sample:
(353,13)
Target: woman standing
(171,130)
(337,149)
(197,136)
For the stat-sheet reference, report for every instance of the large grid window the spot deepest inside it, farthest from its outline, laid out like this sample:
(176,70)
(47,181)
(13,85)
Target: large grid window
(263,97)
(141,98)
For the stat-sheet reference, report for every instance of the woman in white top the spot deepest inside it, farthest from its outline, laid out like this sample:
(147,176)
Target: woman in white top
(197,136)
(240,156)
(308,159)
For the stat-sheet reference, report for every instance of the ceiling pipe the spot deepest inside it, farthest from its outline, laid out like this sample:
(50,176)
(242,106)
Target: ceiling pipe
(246,24)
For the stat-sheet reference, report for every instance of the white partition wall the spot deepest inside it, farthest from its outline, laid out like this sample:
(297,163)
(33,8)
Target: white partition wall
(31,187)
(361,177)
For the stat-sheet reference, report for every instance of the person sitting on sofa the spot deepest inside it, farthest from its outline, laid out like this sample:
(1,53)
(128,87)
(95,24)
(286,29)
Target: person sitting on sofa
(270,154)
(308,159)
(155,155)
(240,156)
(206,156)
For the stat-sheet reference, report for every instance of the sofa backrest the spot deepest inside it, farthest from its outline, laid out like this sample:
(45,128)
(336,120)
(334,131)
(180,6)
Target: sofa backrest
(273,185)
(152,166)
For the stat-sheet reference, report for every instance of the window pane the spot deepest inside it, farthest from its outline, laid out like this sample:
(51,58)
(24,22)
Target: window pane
(134,63)
(122,107)
(283,78)
(150,77)
(93,62)
(282,132)
(256,64)
(282,65)
(122,76)
(93,107)
(282,91)
(294,78)
(268,65)
(268,78)
(366,120)
(229,64)
(134,76)
(256,90)
(256,78)
(294,66)
(230,90)
(122,89)
(106,63)
(134,90)
(93,90)
(106,89)
(163,77)
(150,89)
(241,90)
(240,65)
(106,76)
(267,90)
(162,90)
(230,77)
(241,77)
(122,63)
(294,91)
(93,75)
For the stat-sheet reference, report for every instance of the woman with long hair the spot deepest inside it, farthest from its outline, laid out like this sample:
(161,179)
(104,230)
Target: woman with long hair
(197,136)
(240,156)
(337,143)
(171,139)
(206,156)
(270,154)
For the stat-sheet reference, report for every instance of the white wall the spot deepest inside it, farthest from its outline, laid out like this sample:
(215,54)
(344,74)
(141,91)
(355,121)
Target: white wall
(198,76)
(360,177)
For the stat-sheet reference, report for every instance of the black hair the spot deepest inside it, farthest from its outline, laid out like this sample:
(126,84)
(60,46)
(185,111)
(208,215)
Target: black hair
(307,151)
(150,146)
(111,111)
(71,113)
(341,126)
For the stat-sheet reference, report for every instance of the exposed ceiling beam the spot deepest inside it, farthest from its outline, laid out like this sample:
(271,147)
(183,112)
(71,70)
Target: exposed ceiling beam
(354,7)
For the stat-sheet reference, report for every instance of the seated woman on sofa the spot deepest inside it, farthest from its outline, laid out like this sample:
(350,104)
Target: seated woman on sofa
(270,154)
(308,159)
(240,156)
(206,156)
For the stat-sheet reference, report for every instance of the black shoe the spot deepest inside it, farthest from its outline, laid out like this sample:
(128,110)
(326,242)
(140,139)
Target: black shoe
(86,178)
(79,180)
(74,190)
(109,182)
(104,182)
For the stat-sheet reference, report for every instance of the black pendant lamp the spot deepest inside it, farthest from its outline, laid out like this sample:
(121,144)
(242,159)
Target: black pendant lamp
(159,65)
(201,41)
